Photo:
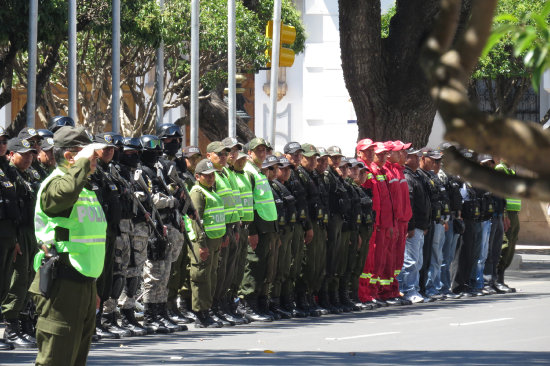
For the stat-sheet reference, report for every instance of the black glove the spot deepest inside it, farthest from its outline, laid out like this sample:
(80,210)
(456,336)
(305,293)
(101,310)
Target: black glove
(156,248)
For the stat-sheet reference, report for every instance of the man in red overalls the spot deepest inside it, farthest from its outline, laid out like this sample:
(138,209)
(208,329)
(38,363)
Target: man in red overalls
(373,280)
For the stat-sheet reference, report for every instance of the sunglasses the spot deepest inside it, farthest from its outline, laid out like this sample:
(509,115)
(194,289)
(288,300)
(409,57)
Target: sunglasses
(222,153)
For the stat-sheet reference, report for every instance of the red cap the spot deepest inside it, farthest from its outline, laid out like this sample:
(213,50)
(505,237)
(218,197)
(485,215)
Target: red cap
(399,145)
(380,148)
(364,144)
(390,146)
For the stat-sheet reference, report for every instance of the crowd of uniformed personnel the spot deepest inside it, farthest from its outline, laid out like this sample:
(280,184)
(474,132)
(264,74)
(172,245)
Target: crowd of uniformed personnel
(240,233)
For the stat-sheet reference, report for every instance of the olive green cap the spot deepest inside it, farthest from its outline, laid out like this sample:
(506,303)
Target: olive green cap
(205,166)
(257,141)
(68,136)
(322,151)
(309,150)
(216,146)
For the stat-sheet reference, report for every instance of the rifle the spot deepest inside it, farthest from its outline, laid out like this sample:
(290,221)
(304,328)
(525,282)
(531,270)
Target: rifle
(137,202)
(173,175)
(188,201)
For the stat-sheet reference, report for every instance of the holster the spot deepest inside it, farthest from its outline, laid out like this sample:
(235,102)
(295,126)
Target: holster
(48,274)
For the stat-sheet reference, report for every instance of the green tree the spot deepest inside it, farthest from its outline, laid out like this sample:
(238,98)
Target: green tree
(513,55)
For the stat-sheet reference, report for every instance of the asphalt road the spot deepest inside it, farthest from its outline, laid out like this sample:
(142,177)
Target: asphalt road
(511,329)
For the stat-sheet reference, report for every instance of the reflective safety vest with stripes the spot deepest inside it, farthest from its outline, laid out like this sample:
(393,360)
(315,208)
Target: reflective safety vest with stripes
(87,227)
(245,188)
(262,194)
(236,193)
(512,204)
(214,215)
(225,191)
(189,227)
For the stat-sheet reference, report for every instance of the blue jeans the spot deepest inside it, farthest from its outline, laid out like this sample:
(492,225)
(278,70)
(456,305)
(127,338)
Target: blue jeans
(477,273)
(436,259)
(409,276)
(449,251)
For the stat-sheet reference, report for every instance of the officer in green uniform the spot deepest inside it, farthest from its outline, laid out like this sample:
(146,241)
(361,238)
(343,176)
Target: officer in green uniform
(245,191)
(218,154)
(302,228)
(19,328)
(361,237)
(68,220)
(286,211)
(9,214)
(207,240)
(262,233)
(310,270)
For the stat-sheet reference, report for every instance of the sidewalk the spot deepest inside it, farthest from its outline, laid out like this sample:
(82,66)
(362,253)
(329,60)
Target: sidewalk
(531,257)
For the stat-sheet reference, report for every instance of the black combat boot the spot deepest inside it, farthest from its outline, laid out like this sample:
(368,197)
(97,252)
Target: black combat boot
(346,301)
(102,331)
(204,320)
(263,307)
(111,324)
(288,305)
(335,301)
(175,314)
(5,346)
(185,308)
(27,328)
(275,307)
(313,307)
(251,311)
(14,335)
(225,312)
(324,302)
(130,322)
(150,319)
(162,312)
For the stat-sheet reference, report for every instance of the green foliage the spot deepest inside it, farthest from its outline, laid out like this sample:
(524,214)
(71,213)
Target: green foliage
(519,43)
(385,20)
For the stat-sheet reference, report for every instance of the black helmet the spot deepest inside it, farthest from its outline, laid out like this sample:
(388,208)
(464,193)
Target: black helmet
(45,133)
(131,143)
(150,143)
(169,130)
(57,122)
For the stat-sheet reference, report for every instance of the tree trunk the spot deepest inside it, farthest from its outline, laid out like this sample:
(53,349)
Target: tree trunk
(388,88)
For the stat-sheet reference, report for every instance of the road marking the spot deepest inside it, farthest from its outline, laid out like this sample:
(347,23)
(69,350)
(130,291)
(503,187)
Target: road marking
(480,322)
(361,336)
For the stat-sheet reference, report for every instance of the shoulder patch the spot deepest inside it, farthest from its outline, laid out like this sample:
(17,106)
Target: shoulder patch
(7,184)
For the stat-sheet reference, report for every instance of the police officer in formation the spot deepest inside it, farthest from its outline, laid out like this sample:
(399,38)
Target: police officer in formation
(239,236)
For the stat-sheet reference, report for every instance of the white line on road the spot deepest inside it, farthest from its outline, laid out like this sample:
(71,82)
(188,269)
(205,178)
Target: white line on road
(361,336)
(480,322)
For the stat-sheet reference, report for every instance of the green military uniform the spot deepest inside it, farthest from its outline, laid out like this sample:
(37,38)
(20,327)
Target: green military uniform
(204,272)
(282,257)
(69,217)
(265,226)
(245,192)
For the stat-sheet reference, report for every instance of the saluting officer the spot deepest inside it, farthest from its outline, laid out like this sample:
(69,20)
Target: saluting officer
(69,220)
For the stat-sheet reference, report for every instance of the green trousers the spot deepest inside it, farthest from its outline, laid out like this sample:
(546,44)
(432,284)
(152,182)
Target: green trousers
(297,256)
(204,274)
(66,322)
(178,284)
(334,241)
(281,261)
(226,264)
(314,261)
(104,282)
(22,275)
(348,252)
(240,261)
(254,280)
(365,232)
(7,245)
(509,243)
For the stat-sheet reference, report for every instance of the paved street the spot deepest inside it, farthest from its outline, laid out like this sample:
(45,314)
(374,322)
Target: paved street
(493,330)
